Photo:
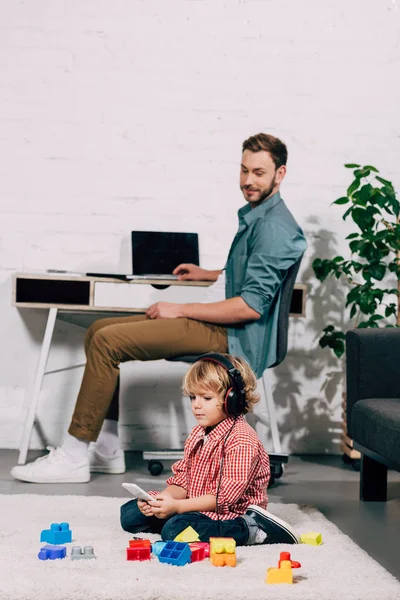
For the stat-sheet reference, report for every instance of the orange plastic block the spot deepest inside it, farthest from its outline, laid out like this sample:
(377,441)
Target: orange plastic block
(223,560)
(282,574)
(138,550)
(223,552)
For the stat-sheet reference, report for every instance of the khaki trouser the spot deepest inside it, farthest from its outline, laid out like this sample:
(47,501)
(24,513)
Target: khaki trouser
(110,342)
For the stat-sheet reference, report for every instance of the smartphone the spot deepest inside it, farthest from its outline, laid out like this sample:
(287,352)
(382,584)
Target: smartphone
(137,492)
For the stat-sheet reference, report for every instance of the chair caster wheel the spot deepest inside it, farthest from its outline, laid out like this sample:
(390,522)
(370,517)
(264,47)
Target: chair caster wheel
(155,467)
(278,471)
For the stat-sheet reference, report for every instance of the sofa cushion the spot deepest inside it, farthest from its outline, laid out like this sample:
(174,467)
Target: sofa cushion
(375,424)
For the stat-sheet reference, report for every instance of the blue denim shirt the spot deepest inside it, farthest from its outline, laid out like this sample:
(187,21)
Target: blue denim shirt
(266,245)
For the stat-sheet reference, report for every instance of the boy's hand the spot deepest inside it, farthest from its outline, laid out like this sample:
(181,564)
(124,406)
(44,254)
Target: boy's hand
(145,508)
(164,506)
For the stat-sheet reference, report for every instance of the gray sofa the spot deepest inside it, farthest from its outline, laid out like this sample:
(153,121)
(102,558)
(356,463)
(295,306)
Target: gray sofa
(373,405)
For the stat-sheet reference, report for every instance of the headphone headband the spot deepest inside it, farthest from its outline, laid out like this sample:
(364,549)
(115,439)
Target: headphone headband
(235,399)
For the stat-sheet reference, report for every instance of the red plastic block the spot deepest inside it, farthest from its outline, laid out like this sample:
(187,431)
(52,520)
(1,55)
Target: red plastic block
(286,556)
(197,554)
(138,550)
(204,545)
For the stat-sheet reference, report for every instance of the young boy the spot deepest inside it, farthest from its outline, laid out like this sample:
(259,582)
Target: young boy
(220,486)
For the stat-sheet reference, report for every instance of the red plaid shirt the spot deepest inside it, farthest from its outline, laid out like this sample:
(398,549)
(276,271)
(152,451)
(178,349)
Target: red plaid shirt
(237,470)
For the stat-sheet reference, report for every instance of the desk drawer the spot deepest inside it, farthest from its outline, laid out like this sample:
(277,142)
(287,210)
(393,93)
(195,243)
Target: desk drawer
(142,295)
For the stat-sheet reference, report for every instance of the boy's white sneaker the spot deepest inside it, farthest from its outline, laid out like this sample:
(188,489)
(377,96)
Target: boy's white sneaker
(100,463)
(55,467)
(277,531)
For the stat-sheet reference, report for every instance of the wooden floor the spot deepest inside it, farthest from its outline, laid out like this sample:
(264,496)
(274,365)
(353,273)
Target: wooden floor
(320,481)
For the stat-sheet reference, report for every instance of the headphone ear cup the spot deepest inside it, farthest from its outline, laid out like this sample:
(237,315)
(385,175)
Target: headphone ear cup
(229,402)
(232,403)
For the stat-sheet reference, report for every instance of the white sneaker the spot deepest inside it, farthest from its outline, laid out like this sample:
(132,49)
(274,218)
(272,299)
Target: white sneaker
(100,463)
(55,467)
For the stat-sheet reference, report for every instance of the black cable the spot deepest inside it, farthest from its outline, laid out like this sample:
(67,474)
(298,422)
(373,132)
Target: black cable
(221,473)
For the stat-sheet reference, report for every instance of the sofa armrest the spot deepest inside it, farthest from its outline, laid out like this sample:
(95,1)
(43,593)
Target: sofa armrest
(372,365)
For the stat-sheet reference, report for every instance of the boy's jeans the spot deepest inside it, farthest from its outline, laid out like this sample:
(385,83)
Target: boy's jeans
(240,529)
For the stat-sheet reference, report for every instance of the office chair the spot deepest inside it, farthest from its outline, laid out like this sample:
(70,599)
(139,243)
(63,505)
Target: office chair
(277,459)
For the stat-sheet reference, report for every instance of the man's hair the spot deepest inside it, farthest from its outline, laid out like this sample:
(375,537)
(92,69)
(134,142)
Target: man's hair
(263,141)
(205,375)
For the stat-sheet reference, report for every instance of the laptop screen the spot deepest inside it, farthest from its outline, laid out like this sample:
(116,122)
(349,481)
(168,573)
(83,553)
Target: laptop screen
(159,252)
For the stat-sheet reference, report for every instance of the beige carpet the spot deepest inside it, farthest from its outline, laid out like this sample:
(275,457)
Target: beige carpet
(338,570)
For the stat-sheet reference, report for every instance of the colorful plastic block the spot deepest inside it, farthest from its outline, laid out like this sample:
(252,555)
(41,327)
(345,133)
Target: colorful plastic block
(286,556)
(175,553)
(282,574)
(78,553)
(59,533)
(223,552)
(157,547)
(312,538)
(197,553)
(138,550)
(51,552)
(187,535)
(204,545)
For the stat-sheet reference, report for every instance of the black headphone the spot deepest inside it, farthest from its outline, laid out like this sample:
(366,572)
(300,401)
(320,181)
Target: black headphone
(235,397)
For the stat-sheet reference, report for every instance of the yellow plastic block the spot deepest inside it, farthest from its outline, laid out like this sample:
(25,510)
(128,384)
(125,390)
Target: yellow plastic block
(281,575)
(312,538)
(219,545)
(187,535)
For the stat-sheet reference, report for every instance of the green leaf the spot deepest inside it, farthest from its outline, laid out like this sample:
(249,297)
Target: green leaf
(353,186)
(342,200)
(339,349)
(351,166)
(352,236)
(385,181)
(328,329)
(371,168)
(348,211)
(391,310)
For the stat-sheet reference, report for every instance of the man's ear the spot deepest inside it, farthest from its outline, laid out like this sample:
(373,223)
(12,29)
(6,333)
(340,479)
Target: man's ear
(280,174)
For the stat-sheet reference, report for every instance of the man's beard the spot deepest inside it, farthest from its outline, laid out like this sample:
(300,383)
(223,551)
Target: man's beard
(265,193)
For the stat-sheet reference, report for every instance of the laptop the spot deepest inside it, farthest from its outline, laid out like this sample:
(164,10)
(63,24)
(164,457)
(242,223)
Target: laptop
(155,254)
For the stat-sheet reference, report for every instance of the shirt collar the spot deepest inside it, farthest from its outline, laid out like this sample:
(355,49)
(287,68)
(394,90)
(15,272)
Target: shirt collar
(248,214)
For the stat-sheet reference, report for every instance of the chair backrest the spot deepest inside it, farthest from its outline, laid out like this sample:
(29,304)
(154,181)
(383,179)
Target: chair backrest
(284,311)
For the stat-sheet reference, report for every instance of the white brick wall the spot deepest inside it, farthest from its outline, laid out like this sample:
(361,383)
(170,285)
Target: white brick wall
(130,114)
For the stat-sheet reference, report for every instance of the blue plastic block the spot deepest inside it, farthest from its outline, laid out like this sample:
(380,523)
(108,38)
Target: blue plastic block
(157,547)
(59,533)
(50,552)
(175,553)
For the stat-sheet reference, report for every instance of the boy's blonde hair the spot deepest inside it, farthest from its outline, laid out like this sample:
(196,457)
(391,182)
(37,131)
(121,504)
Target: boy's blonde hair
(205,375)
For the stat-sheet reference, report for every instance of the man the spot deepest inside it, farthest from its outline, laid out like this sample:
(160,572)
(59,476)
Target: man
(267,244)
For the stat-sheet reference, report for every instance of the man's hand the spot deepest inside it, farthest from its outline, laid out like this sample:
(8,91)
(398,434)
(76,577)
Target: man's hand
(190,272)
(164,507)
(145,508)
(165,310)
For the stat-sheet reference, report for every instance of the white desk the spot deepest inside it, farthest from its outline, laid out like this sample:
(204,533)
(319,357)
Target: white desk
(61,294)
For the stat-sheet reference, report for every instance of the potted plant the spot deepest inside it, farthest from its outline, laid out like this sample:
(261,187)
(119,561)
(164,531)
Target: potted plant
(372,272)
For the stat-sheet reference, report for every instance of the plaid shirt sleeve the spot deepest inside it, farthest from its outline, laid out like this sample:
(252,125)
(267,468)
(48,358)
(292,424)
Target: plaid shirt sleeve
(179,470)
(240,462)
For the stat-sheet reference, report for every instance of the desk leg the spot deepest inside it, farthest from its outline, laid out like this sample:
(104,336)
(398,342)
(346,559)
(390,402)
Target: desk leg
(271,422)
(34,392)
